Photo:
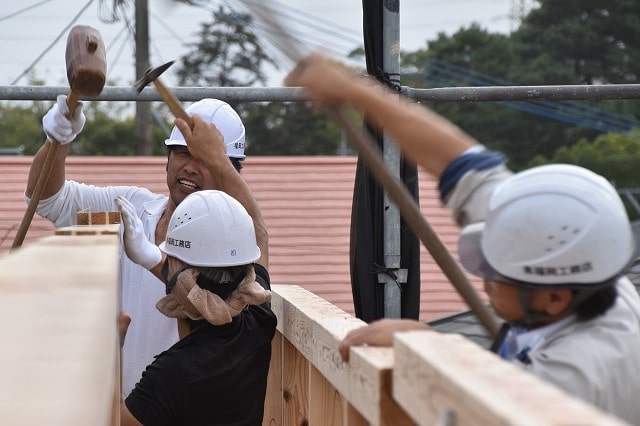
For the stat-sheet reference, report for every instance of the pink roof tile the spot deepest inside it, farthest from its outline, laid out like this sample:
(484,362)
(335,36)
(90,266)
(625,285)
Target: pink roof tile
(306,203)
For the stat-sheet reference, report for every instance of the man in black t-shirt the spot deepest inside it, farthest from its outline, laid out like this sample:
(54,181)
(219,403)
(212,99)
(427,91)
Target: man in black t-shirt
(217,373)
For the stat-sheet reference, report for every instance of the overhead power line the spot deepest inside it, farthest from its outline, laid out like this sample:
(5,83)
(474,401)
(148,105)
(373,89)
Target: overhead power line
(2,18)
(53,43)
(445,74)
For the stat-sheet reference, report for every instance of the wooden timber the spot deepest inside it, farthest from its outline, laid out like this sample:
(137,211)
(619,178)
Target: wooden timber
(59,300)
(427,378)
(60,357)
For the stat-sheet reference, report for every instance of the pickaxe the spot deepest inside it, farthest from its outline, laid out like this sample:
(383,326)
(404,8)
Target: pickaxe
(86,71)
(152,75)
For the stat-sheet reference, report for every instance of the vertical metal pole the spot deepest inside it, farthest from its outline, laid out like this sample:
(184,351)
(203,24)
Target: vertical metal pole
(143,109)
(391,156)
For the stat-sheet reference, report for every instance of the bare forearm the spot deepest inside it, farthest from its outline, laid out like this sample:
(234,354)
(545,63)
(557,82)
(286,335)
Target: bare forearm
(425,137)
(57,174)
(234,184)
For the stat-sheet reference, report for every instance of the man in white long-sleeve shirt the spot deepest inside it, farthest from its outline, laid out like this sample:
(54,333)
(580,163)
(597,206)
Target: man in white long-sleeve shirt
(193,163)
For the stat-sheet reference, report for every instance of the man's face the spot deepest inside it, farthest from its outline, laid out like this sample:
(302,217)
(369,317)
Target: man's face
(505,301)
(186,175)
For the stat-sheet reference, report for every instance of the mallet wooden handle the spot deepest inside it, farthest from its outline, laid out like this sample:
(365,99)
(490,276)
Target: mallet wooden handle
(43,178)
(412,215)
(174,104)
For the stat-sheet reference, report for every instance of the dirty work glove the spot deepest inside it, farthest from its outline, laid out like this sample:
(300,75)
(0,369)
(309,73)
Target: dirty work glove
(138,248)
(56,124)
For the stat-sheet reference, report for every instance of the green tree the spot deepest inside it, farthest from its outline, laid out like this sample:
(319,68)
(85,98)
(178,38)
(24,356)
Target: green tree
(614,156)
(561,42)
(105,135)
(617,157)
(20,126)
(291,129)
(228,53)
(597,41)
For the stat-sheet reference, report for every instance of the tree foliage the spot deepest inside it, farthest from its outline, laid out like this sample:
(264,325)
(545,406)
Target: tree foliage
(103,135)
(597,41)
(615,156)
(290,128)
(562,42)
(21,128)
(228,53)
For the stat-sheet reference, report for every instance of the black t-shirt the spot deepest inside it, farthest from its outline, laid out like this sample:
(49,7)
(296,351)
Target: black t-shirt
(217,375)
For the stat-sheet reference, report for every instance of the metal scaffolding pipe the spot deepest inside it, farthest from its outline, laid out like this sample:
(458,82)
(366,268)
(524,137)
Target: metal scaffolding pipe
(526,93)
(283,94)
(149,94)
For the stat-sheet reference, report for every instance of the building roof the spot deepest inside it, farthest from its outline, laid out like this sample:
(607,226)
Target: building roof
(305,201)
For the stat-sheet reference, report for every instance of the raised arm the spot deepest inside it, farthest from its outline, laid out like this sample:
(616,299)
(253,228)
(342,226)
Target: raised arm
(214,157)
(424,136)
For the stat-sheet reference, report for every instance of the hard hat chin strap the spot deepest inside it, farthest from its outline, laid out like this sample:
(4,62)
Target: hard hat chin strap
(530,317)
(170,282)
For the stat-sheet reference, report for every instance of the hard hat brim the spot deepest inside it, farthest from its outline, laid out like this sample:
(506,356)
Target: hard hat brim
(246,261)
(173,142)
(472,257)
(474,261)
(178,142)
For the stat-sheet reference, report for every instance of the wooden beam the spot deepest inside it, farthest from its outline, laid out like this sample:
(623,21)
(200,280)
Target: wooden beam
(315,328)
(274,397)
(447,379)
(60,344)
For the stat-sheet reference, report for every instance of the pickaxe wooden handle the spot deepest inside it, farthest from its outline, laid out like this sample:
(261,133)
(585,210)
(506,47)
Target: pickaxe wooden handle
(409,210)
(86,71)
(174,104)
(413,216)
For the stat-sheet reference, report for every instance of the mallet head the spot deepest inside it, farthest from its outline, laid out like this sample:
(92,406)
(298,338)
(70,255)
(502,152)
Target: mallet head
(86,61)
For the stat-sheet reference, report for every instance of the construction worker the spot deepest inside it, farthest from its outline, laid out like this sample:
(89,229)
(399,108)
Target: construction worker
(207,157)
(217,373)
(552,244)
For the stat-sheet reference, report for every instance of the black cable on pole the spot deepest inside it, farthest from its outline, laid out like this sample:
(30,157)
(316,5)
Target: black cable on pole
(116,57)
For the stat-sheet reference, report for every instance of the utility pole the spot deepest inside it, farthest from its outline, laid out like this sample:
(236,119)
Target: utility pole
(143,109)
(519,9)
(392,159)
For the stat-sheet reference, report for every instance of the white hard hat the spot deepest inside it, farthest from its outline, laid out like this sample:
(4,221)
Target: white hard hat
(550,225)
(211,228)
(225,119)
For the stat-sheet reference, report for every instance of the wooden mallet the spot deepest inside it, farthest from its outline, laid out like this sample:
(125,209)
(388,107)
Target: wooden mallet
(86,72)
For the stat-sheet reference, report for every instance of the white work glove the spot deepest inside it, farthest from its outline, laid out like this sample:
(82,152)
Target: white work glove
(56,124)
(138,248)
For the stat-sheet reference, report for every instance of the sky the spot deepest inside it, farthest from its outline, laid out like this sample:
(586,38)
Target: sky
(33,33)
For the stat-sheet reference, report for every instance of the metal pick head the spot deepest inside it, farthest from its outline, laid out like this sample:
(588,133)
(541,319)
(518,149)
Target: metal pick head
(150,75)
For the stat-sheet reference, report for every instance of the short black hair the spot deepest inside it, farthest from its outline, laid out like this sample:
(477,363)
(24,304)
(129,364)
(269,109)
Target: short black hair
(597,304)
(221,280)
